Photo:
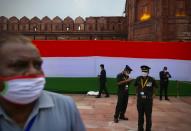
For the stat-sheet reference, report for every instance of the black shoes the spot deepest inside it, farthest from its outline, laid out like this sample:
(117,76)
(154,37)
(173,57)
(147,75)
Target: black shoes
(98,96)
(165,99)
(124,118)
(116,120)
(107,96)
(141,129)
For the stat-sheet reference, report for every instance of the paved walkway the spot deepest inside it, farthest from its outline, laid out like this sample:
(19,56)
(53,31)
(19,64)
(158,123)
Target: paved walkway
(97,114)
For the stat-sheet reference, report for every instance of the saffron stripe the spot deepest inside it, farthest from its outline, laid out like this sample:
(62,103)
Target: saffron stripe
(152,50)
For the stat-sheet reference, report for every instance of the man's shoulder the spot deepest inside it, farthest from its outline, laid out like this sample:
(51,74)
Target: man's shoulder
(119,74)
(138,77)
(151,78)
(104,71)
(58,98)
(56,95)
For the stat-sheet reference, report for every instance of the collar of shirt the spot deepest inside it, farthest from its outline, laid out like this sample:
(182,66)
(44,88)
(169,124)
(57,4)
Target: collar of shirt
(43,102)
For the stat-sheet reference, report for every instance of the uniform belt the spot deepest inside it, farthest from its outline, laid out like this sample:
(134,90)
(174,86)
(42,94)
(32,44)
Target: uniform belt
(145,97)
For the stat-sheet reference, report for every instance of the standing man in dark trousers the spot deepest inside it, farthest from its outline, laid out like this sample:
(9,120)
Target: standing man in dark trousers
(123,82)
(103,80)
(164,76)
(145,89)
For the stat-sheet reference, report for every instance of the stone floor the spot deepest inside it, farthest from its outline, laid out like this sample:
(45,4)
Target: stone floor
(97,114)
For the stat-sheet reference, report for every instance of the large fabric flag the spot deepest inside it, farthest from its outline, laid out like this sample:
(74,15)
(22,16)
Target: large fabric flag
(82,58)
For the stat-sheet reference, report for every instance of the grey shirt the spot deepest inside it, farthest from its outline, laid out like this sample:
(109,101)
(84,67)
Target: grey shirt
(54,112)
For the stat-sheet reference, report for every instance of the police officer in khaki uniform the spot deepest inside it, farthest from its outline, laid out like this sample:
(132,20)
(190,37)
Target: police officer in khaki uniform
(123,82)
(145,89)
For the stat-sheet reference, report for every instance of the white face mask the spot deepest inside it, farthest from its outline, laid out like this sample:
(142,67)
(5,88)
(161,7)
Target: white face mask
(145,74)
(23,90)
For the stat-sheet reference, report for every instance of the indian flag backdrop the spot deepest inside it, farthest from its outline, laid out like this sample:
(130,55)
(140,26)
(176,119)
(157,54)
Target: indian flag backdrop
(81,59)
(73,66)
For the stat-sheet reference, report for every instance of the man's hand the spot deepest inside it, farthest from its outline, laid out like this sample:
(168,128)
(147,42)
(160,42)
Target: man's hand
(129,79)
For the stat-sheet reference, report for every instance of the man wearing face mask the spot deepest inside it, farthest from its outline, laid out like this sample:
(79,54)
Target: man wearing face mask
(145,89)
(24,106)
(123,81)
(164,76)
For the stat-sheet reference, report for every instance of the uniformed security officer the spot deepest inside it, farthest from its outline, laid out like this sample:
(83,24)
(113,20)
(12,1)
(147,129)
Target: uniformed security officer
(164,76)
(123,82)
(102,80)
(145,89)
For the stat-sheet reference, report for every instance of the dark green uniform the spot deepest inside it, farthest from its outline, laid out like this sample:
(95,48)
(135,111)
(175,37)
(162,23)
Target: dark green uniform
(102,79)
(164,76)
(103,83)
(145,89)
(123,82)
(123,95)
